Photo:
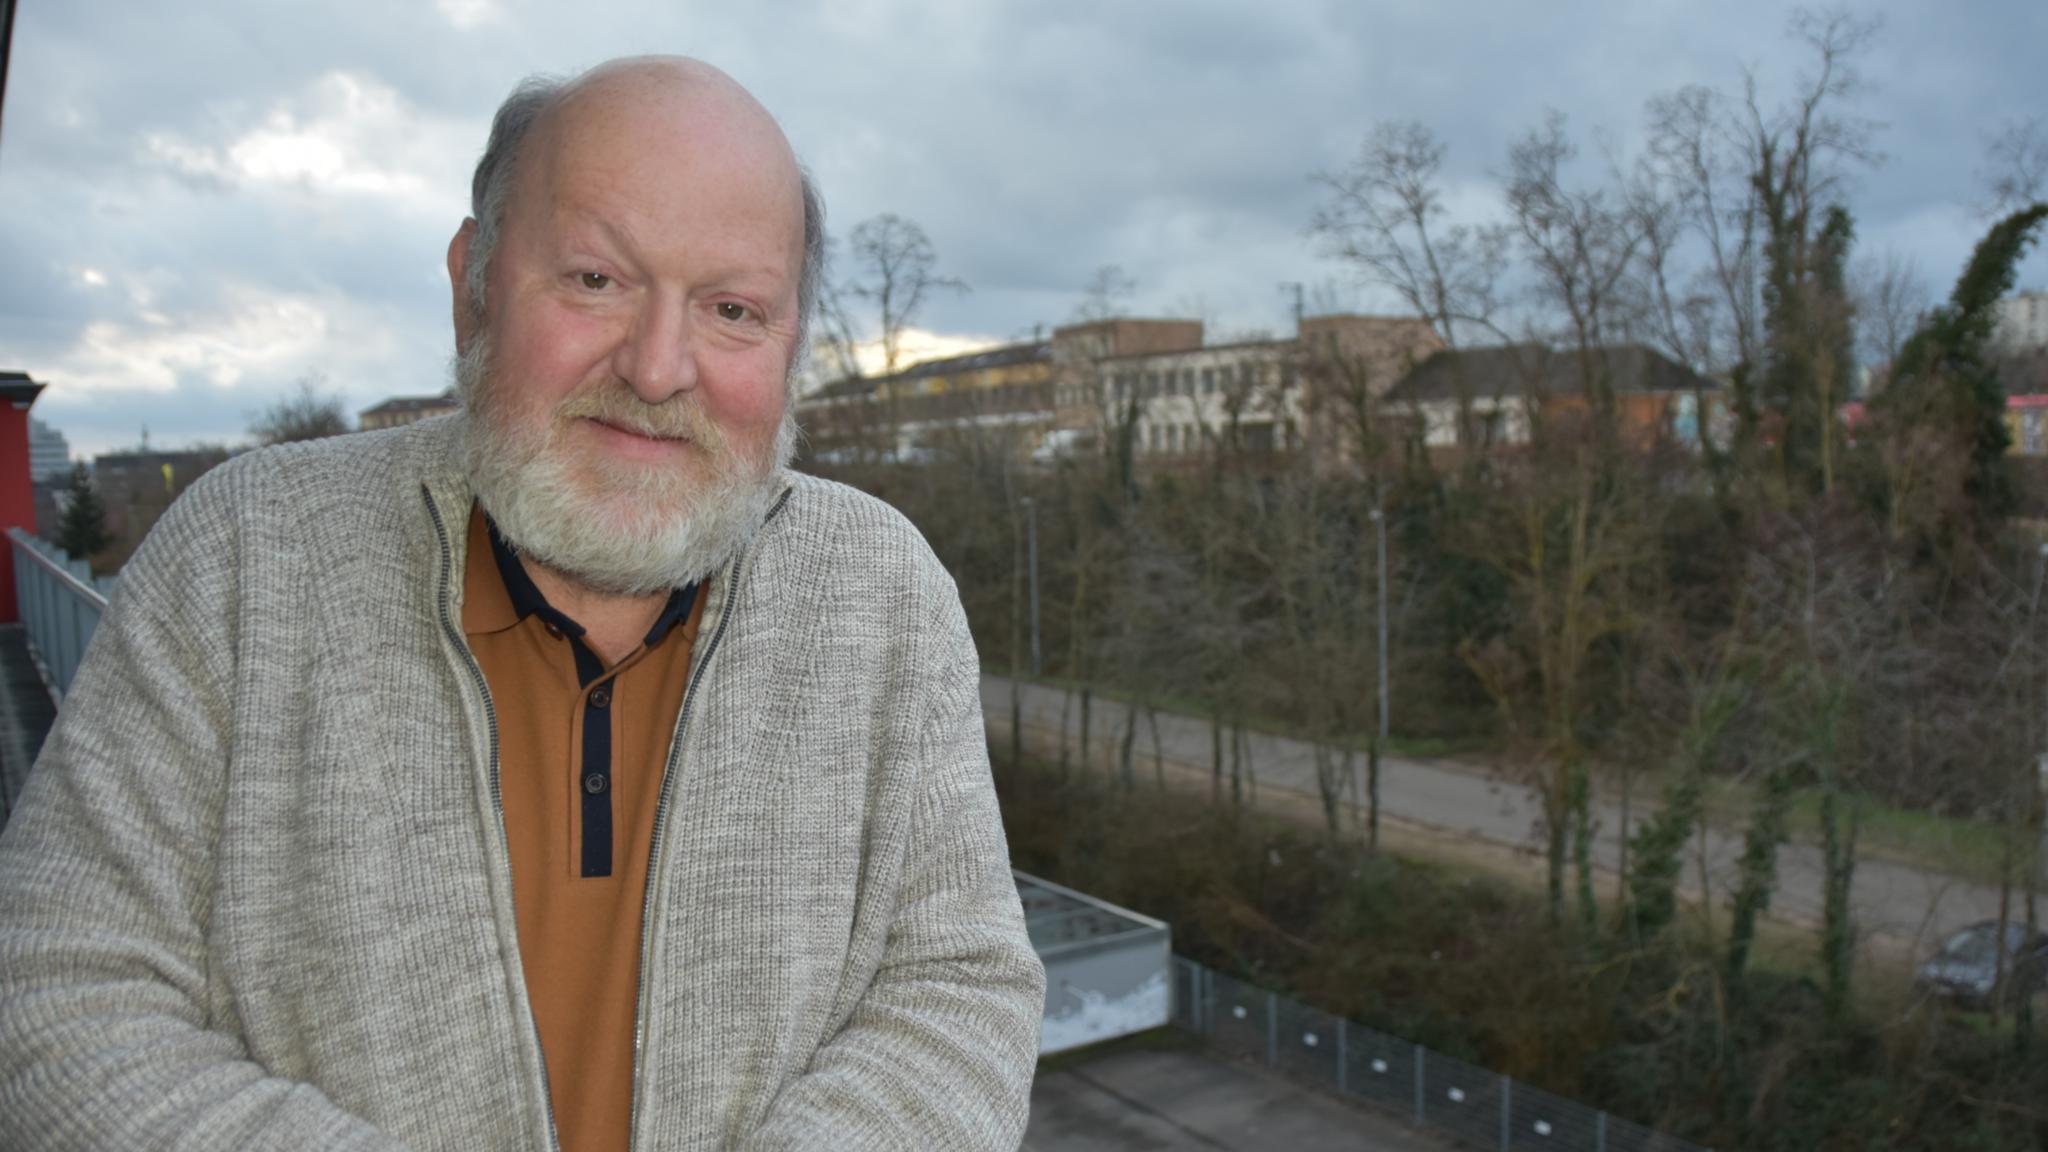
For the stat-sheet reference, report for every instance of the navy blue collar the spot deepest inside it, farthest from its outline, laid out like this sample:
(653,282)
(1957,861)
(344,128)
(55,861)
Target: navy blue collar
(527,599)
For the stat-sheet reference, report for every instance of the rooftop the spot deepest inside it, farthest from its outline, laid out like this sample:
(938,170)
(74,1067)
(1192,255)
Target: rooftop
(1519,369)
(412,404)
(1002,356)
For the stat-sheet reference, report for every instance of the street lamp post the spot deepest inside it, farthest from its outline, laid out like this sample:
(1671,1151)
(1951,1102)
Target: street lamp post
(1031,551)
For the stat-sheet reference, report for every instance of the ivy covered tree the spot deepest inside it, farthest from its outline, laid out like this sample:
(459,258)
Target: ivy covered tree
(1945,381)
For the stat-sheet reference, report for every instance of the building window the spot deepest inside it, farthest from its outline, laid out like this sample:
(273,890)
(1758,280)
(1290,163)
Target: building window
(1208,381)
(1486,428)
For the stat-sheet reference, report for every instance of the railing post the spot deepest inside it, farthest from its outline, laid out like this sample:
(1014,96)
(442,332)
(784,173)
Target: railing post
(1507,1105)
(1420,1112)
(1272,1029)
(1343,1055)
(70,641)
(1600,1133)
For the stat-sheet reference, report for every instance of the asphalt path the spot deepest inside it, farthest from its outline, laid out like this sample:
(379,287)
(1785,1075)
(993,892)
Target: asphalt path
(1909,905)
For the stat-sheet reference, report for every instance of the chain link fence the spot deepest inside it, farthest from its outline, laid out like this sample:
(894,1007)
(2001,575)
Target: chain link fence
(1480,1108)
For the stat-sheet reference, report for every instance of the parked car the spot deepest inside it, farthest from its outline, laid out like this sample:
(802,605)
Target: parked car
(1966,967)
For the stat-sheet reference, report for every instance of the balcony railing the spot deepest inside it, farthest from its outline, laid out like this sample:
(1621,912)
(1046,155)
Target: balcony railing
(61,602)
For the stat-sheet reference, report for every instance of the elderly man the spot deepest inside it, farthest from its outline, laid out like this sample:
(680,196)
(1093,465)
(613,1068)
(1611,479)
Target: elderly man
(564,774)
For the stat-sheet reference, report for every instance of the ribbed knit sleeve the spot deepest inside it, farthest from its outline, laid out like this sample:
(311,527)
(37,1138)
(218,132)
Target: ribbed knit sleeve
(107,870)
(941,1049)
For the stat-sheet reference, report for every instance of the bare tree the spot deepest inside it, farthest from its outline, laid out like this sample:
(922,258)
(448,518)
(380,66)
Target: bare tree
(1108,294)
(1678,317)
(1580,243)
(1890,297)
(897,270)
(1385,215)
(1755,184)
(1566,543)
(308,412)
(836,345)
(2015,171)
(1697,148)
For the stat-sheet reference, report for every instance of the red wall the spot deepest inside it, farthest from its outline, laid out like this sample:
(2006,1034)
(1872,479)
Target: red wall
(17,498)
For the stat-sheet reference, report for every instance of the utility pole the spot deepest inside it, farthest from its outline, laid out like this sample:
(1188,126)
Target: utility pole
(1031,551)
(1379,523)
(2039,808)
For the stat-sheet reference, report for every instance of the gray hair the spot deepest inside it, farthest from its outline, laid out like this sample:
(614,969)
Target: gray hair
(490,190)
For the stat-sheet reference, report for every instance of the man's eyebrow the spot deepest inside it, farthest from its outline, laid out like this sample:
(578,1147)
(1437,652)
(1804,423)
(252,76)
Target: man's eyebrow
(617,231)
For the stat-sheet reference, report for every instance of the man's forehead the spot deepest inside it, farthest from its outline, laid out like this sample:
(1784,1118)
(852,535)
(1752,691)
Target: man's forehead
(662,103)
(643,132)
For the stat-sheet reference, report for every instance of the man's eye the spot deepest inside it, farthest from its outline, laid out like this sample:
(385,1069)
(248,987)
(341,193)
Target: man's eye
(727,310)
(595,280)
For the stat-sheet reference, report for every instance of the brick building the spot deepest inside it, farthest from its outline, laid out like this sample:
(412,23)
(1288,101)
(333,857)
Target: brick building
(406,409)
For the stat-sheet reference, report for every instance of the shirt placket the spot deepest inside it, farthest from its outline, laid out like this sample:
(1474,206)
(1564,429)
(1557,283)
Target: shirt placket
(594,784)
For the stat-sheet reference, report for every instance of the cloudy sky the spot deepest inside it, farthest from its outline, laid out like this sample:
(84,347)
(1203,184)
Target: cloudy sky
(203,202)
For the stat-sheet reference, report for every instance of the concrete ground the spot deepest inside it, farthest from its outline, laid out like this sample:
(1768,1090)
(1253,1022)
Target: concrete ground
(25,715)
(1151,1094)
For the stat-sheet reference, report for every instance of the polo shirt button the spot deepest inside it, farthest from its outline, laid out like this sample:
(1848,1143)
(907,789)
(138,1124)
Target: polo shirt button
(594,783)
(601,697)
(554,631)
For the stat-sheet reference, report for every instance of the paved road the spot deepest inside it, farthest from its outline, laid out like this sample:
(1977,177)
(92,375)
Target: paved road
(1906,904)
(1137,1100)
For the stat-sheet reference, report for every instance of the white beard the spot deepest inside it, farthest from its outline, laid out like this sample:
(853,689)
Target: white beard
(622,530)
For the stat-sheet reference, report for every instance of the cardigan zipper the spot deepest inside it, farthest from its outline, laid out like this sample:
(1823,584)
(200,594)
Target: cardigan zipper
(476,674)
(654,863)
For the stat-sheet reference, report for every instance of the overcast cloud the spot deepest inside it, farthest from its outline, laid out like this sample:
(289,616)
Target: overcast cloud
(202,202)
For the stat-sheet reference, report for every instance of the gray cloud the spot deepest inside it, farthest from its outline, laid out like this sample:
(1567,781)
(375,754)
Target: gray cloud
(1033,141)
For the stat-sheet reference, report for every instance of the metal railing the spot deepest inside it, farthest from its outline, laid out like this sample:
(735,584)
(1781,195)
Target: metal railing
(1479,1108)
(60,601)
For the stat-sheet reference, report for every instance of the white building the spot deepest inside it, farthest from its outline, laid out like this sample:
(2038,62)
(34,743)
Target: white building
(2022,322)
(1188,399)
(49,454)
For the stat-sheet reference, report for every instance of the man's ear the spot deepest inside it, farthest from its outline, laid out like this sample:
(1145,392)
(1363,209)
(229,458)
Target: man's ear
(466,319)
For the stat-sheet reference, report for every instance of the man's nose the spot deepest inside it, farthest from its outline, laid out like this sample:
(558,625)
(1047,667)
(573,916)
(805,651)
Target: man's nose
(658,357)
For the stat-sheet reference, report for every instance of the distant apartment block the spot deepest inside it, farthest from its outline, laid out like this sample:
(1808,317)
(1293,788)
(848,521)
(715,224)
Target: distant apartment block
(907,413)
(406,409)
(2022,323)
(136,488)
(49,454)
(1151,379)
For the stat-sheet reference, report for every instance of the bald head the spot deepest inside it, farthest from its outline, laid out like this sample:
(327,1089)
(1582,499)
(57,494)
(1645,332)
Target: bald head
(675,80)
(639,103)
